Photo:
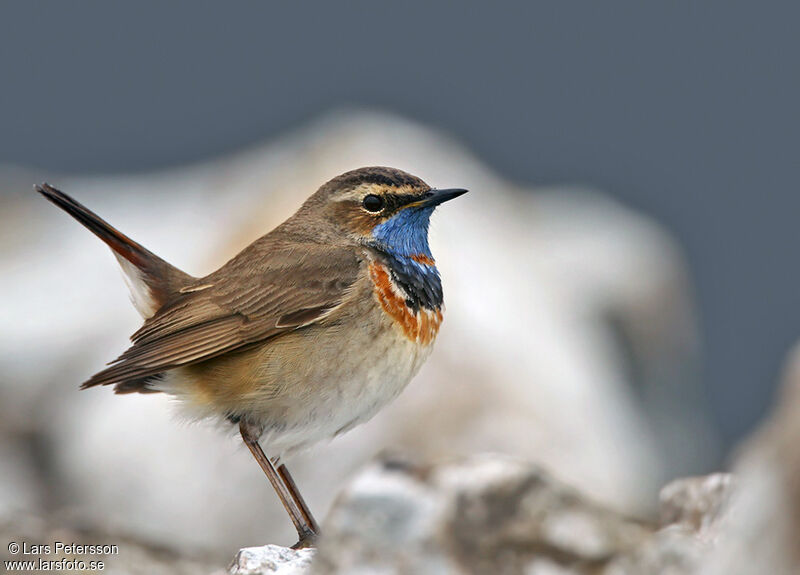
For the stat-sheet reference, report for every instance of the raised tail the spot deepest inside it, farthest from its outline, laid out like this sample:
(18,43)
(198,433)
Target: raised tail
(152,281)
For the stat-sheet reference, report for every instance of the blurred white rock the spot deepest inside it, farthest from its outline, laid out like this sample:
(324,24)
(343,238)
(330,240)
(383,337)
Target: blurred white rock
(569,338)
(496,515)
(487,514)
(762,525)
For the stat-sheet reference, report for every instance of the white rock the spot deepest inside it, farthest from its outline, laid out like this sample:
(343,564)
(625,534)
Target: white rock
(696,502)
(487,514)
(271,560)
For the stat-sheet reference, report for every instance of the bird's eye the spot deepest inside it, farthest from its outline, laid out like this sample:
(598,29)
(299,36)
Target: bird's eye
(373,203)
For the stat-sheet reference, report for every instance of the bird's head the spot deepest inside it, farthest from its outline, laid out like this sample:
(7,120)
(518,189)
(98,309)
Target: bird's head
(382,207)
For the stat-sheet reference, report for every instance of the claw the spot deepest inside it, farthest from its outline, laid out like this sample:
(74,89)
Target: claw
(307,540)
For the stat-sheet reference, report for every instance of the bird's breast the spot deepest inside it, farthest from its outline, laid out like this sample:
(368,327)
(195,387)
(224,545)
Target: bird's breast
(418,323)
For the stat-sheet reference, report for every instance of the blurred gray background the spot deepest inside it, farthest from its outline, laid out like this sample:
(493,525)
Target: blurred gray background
(686,111)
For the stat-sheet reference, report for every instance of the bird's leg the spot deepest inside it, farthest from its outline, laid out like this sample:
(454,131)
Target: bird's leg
(304,527)
(288,481)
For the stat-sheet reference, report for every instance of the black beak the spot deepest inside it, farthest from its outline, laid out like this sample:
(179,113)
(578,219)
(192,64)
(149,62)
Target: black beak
(436,197)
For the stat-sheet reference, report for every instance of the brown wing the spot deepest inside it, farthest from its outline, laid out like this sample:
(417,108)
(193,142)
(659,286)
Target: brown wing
(264,291)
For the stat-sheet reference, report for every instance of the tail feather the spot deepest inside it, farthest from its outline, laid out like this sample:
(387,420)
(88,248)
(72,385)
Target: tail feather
(152,281)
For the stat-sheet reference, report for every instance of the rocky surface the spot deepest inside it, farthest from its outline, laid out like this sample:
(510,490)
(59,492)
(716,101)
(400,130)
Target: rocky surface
(271,559)
(485,515)
(696,503)
(488,514)
(498,515)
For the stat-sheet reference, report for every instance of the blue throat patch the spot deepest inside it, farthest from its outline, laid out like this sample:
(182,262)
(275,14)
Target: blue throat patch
(399,239)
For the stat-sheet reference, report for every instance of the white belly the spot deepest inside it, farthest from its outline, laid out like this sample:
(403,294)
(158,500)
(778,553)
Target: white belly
(309,385)
(351,397)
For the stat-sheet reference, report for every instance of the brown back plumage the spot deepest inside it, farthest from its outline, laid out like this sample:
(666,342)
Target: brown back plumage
(237,306)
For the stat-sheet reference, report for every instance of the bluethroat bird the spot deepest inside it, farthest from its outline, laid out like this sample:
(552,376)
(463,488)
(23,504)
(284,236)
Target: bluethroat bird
(306,333)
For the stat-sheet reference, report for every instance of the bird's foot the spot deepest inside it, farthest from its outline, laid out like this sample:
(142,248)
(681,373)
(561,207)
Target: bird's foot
(308,539)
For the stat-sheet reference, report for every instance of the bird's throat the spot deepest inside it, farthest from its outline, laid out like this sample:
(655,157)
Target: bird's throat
(402,242)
